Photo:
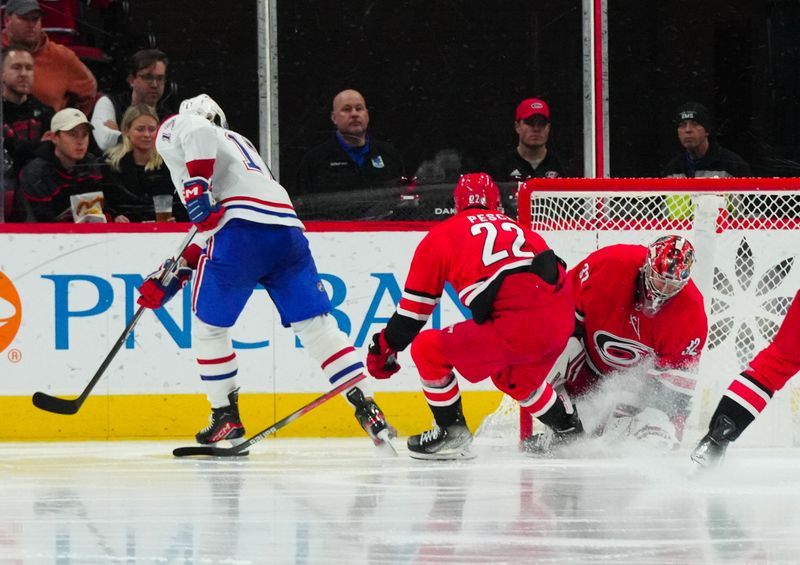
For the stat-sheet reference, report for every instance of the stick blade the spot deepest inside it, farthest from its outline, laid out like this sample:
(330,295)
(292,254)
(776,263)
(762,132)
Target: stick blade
(54,404)
(207,450)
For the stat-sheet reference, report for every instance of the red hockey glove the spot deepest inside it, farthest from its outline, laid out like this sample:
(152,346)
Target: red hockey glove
(155,292)
(203,209)
(382,359)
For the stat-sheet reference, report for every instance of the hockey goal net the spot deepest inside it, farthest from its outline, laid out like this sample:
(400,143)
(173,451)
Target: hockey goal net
(746,233)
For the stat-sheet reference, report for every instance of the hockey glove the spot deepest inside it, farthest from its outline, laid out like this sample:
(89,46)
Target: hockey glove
(203,209)
(155,292)
(382,359)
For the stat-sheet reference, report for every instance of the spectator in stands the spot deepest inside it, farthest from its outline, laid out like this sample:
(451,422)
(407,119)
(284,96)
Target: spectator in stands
(137,170)
(61,80)
(531,158)
(25,118)
(702,156)
(147,76)
(62,168)
(351,158)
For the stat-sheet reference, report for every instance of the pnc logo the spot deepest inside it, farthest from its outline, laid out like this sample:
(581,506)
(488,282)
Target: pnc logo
(10,311)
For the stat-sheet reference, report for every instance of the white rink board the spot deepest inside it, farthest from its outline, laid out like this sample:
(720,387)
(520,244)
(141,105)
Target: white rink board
(358,267)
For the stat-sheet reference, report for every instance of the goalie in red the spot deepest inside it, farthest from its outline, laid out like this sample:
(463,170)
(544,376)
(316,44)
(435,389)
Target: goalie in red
(639,319)
(522,308)
(750,392)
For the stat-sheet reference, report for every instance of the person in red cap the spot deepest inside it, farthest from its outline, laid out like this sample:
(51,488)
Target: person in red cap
(531,158)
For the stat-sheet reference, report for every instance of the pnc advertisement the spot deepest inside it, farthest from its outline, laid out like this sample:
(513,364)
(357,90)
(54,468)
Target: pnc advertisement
(66,298)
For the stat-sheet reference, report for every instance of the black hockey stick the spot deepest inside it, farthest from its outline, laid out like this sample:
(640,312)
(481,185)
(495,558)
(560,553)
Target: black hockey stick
(71,406)
(239,449)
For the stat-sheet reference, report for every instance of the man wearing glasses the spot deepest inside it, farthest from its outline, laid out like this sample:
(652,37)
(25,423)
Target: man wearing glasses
(61,79)
(147,77)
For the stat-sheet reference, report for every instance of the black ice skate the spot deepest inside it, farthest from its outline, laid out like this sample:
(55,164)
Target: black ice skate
(442,443)
(224,423)
(371,418)
(551,441)
(711,450)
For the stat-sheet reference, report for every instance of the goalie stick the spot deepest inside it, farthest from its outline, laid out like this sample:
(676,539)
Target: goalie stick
(68,406)
(240,449)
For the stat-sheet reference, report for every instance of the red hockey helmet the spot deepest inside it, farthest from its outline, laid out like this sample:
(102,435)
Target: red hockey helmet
(476,189)
(665,272)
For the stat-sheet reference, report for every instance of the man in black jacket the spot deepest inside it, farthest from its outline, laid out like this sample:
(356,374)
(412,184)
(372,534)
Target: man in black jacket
(351,159)
(61,169)
(702,156)
(531,158)
(25,118)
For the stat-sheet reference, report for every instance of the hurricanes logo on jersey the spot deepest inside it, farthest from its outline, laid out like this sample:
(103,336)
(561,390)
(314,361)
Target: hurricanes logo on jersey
(620,352)
(10,311)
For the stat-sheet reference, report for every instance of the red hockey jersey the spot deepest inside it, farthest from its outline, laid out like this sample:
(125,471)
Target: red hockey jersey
(470,251)
(619,337)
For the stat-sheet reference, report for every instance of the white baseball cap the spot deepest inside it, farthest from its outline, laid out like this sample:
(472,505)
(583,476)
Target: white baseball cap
(67,119)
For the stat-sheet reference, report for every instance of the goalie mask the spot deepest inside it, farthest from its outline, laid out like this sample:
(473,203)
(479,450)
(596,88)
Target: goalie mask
(476,189)
(204,106)
(665,272)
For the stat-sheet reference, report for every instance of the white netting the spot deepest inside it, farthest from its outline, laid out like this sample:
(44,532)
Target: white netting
(746,233)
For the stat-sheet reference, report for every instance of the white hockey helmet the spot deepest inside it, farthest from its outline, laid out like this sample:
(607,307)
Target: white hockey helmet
(203,105)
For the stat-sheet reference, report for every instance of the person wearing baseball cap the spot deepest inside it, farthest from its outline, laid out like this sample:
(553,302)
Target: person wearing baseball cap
(63,167)
(61,79)
(531,158)
(702,155)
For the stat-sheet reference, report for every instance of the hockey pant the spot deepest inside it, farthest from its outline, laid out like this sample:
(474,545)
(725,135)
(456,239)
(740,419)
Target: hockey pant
(478,352)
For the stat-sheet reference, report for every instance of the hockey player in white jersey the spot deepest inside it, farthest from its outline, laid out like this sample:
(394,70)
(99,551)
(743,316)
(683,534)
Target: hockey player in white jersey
(251,235)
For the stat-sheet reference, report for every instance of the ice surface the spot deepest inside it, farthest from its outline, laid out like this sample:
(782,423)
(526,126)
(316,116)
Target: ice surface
(338,501)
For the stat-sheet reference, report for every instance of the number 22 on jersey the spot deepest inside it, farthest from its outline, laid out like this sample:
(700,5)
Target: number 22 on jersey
(496,244)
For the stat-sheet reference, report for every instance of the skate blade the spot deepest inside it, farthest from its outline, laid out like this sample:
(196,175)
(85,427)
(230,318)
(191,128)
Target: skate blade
(236,442)
(384,443)
(460,454)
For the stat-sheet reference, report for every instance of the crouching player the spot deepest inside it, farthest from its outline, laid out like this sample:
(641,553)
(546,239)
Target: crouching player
(253,236)
(640,319)
(750,392)
(522,309)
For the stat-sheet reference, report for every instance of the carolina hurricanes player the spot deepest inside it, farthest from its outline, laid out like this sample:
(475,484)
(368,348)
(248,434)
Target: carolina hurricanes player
(253,236)
(635,305)
(522,310)
(749,393)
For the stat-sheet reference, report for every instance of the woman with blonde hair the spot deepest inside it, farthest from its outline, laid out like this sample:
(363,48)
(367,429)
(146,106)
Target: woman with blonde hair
(137,170)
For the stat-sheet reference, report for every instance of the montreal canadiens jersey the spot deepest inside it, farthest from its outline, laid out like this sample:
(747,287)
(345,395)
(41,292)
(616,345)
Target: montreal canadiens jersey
(468,250)
(241,181)
(619,337)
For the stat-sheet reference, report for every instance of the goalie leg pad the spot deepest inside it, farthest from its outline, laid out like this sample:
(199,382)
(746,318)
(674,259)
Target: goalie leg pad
(649,426)
(216,361)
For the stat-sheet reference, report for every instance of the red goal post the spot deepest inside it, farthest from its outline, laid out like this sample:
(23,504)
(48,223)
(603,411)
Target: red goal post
(746,232)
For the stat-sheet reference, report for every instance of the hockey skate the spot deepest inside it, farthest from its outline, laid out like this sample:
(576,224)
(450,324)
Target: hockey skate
(550,441)
(371,418)
(442,443)
(710,451)
(224,424)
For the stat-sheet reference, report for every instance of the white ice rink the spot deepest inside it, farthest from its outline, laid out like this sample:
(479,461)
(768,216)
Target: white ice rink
(338,501)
